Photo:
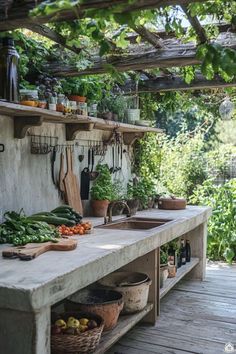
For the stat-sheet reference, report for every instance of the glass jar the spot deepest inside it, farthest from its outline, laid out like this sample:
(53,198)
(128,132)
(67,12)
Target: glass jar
(29,97)
(61,103)
(73,106)
(83,108)
(92,110)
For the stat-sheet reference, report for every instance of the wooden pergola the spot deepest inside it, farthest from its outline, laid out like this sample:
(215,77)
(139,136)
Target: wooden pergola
(157,50)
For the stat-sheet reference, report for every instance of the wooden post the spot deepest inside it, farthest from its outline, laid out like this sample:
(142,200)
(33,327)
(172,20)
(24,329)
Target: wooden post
(198,243)
(25,332)
(148,264)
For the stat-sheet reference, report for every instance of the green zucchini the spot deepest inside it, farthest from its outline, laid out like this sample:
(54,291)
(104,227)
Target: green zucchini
(62,208)
(54,220)
(65,216)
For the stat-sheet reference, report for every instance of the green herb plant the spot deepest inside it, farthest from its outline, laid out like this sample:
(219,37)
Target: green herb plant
(102,188)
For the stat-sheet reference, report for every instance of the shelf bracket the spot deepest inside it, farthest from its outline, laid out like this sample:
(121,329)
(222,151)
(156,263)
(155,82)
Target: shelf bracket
(73,128)
(130,138)
(23,123)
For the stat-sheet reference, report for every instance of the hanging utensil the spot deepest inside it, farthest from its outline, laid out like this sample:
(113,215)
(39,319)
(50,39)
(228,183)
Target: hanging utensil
(85,180)
(81,157)
(61,185)
(113,159)
(53,159)
(93,174)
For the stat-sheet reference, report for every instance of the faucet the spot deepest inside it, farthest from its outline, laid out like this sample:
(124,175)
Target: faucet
(108,217)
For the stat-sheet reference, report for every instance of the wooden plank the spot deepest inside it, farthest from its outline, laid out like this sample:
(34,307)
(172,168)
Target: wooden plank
(175,55)
(181,272)
(196,25)
(174,83)
(47,116)
(124,324)
(18,15)
(191,321)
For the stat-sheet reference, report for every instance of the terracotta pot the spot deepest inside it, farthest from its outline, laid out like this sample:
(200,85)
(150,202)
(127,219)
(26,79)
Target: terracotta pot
(172,203)
(99,207)
(105,303)
(77,98)
(133,205)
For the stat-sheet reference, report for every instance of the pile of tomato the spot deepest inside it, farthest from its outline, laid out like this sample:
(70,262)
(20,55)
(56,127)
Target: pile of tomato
(79,229)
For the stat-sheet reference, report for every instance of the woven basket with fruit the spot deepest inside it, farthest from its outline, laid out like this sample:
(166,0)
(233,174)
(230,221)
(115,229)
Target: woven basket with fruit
(75,332)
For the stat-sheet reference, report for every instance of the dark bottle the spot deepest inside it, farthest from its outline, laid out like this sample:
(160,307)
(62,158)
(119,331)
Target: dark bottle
(188,251)
(183,252)
(8,70)
(171,256)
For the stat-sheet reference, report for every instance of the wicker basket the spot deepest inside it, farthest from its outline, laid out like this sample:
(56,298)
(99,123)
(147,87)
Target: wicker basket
(82,343)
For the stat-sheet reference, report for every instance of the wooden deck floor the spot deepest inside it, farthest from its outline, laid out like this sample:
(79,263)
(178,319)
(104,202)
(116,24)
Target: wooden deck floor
(196,317)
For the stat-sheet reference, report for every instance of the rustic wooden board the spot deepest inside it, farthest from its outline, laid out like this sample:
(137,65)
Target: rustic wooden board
(196,317)
(72,190)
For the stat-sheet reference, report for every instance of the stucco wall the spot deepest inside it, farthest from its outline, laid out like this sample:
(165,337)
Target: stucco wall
(25,179)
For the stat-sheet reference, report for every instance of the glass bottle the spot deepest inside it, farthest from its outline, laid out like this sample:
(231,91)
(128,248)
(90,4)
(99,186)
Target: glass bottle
(8,70)
(183,253)
(188,251)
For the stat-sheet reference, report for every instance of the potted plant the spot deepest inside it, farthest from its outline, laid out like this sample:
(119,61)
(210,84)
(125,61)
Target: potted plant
(163,265)
(133,111)
(117,195)
(101,191)
(119,107)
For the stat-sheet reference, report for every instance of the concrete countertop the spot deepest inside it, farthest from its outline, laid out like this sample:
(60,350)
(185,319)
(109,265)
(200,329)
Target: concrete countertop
(28,286)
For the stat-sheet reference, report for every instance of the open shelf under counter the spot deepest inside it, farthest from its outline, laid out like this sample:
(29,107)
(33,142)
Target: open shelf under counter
(181,272)
(26,117)
(125,323)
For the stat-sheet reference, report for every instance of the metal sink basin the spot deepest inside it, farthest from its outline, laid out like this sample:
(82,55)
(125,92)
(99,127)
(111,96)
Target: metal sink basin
(135,223)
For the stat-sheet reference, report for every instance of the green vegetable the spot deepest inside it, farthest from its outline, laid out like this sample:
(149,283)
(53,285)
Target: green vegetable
(54,220)
(19,230)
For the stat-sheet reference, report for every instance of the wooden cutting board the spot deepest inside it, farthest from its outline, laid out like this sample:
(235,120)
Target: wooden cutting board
(33,250)
(71,183)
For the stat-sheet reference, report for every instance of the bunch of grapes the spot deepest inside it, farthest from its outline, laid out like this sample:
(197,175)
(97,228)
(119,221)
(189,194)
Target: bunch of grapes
(48,86)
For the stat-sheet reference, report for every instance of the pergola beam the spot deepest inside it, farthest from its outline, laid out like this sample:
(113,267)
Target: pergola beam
(18,15)
(175,83)
(167,35)
(149,36)
(54,36)
(178,55)
(193,20)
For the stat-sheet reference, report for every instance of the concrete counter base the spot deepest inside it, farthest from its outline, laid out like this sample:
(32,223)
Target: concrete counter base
(29,289)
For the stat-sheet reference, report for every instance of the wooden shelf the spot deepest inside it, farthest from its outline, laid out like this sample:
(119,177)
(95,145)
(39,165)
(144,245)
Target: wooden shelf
(25,117)
(125,323)
(181,272)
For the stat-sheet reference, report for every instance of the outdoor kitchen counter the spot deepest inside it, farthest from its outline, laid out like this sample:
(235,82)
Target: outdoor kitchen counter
(30,288)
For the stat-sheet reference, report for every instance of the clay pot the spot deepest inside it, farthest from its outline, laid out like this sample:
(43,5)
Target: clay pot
(101,302)
(172,203)
(133,286)
(133,205)
(77,98)
(99,207)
